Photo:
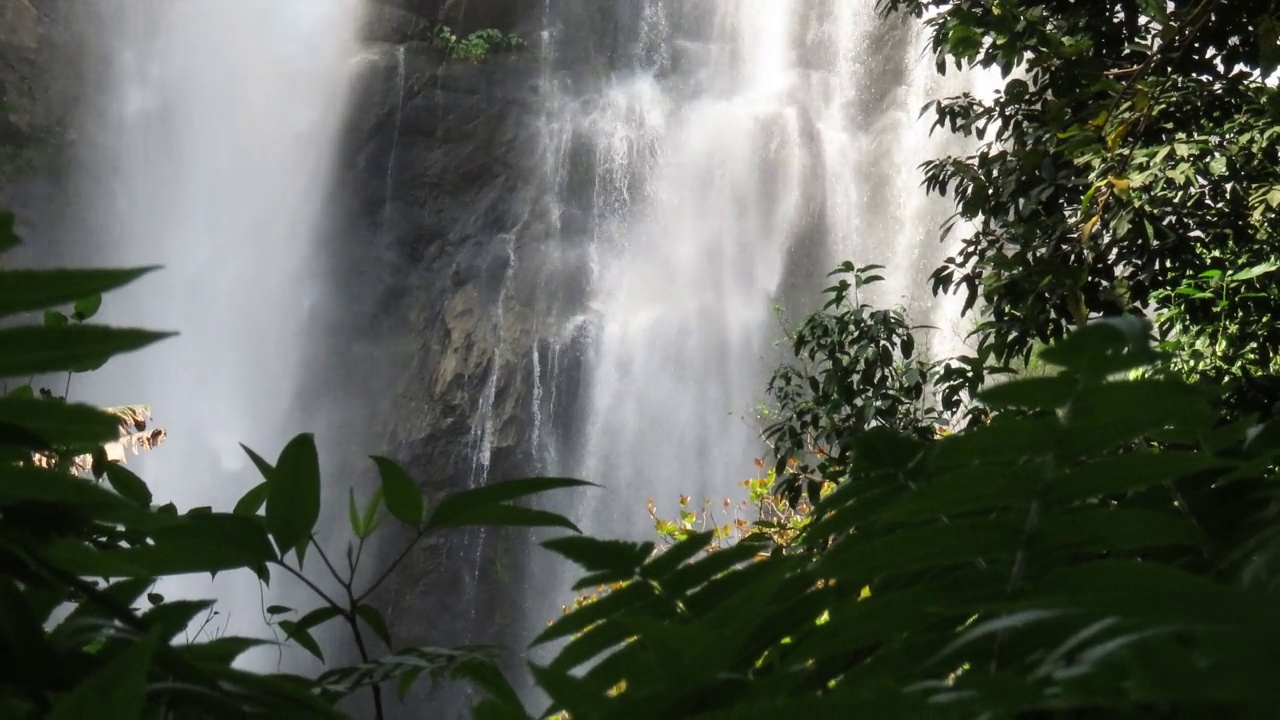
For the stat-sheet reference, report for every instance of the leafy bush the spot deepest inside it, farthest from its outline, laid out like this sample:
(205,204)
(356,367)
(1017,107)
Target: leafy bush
(1051,561)
(479,45)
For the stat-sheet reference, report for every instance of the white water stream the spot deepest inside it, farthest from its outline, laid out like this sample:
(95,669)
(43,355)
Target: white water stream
(219,122)
(719,158)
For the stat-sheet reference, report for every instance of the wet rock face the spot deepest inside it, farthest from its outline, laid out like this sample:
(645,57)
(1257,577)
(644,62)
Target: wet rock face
(40,84)
(432,186)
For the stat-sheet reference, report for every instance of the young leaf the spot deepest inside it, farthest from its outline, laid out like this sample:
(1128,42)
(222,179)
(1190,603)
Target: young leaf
(404,499)
(87,307)
(370,521)
(278,610)
(293,498)
(26,290)
(353,515)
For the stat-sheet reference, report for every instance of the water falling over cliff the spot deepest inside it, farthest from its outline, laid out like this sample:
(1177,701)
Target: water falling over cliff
(706,162)
(213,134)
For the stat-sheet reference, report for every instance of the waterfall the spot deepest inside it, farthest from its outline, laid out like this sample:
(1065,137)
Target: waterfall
(705,162)
(215,129)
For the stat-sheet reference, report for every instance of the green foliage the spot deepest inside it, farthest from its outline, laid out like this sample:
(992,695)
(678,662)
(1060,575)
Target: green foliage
(477,46)
(856,367)
(1051,561)
(1132,149)
(79,554)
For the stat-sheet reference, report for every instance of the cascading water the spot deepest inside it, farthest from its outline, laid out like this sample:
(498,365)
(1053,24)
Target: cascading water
(705,162)
(219,121)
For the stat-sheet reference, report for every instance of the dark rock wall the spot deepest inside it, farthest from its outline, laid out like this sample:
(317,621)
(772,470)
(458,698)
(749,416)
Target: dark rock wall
(433,189)
(41,84)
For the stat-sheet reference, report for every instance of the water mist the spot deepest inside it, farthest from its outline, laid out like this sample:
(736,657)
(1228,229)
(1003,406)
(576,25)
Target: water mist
(215,131)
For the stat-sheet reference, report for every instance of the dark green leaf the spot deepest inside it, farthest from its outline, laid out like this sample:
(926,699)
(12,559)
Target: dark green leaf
(8,236)
(571,694)
(369,521)
(61,424)
(198,544)
(171,618)
(129,486)
(293,499)
(353,514)
(27,484)
(376,622)
(1103,348)
(118,690)
(221,651)
(25,290)
(404,499)
(32,350)
(509,515)
(615,556)
(278,610)
(315,618)
(303,638)
(264,468)
(489,678)
(1040,393)
(460,509)
(406,681)
(253,500)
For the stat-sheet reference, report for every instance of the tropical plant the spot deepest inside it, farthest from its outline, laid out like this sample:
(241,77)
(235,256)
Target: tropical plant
(1050,562)
(82,545)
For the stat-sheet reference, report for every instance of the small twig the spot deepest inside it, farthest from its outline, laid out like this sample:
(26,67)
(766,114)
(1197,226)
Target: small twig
(346,584)
(314,588)
(392,567)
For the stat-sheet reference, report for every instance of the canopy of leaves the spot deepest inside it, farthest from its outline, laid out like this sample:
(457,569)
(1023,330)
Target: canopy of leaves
(1131,159)
(1048,561)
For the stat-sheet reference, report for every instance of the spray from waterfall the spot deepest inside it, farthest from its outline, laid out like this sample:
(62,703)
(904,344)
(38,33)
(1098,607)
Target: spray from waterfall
(216,131)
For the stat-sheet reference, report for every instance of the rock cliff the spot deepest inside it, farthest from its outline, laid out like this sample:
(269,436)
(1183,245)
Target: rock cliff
(433,189)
